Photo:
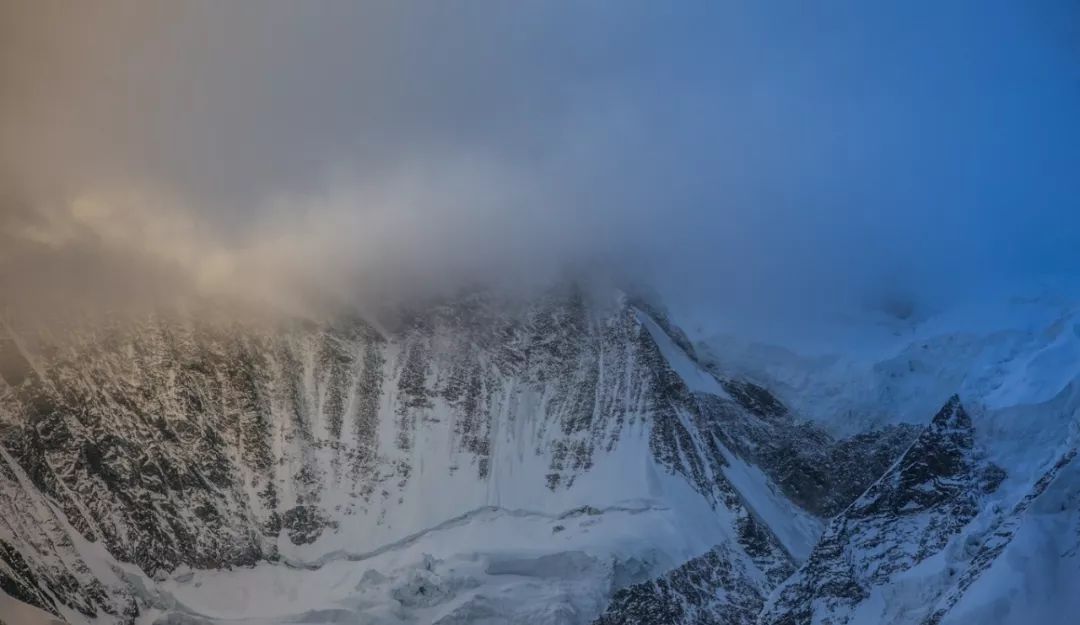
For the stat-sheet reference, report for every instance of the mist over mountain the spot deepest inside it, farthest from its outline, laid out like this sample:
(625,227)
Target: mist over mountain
(746,161)
(488,313)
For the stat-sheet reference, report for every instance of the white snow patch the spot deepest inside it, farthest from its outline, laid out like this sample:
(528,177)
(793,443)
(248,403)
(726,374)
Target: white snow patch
(499,565)
(696,378)
(797,530)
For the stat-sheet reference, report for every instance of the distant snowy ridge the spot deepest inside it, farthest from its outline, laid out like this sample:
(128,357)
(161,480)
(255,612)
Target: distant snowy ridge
(997,352)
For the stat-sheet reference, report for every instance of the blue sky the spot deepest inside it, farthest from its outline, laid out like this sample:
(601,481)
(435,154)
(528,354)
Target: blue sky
(755,158)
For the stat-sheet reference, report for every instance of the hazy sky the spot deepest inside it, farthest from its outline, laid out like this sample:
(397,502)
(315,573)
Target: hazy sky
(752,158)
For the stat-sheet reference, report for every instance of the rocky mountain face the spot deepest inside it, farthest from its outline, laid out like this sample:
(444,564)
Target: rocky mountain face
(813,469)
(711,588)
(905,517)
(139,456)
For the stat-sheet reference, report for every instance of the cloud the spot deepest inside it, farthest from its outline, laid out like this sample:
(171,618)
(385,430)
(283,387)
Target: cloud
(747,161)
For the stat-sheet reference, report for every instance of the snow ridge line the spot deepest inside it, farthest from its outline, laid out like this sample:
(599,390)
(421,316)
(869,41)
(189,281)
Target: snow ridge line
(459,520)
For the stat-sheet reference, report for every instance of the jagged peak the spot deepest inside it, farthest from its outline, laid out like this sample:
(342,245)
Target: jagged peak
(951,416)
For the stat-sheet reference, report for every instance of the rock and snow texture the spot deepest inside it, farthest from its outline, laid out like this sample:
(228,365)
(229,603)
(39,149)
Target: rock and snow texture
(135,452)
(909,515)
(712,588)
(563,460)
(1027,571)
(948,535)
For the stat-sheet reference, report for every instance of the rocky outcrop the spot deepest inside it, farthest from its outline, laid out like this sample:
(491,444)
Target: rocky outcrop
(910,514)
(712,588)
(40,563)
(821,474)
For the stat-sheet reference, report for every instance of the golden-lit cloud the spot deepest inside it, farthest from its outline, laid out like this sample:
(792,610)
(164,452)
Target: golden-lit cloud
(751,158)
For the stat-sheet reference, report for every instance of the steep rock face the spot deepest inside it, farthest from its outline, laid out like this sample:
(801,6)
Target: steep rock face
(816,471)
(804,463)
(906,517)
(208,442)
(712,588)
(40,563)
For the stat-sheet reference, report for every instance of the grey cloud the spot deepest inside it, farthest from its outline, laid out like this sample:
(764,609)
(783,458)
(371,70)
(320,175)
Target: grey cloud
(753,160)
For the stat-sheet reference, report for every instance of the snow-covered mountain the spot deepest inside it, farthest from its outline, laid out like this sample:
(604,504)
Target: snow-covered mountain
(570,458)
(1012,346)
(978,520)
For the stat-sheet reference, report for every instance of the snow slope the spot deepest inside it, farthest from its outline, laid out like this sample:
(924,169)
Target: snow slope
(1035,578)
(499,565)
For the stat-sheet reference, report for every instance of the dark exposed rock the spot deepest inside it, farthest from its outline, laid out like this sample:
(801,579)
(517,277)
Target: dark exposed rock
(39,565)
(304,524)
(905,517)
(759,401)
(713,588)
(819,473)
(19,581)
